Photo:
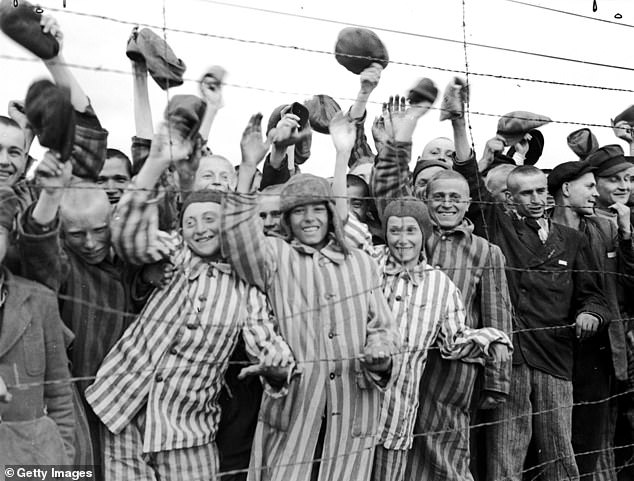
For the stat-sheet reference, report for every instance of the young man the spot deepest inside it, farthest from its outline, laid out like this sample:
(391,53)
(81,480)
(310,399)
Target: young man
(329,305)
(115,175)
(215,172)
(269,206)
(477,269)
(553,282)
(36,407)
(157,390)
(601,361)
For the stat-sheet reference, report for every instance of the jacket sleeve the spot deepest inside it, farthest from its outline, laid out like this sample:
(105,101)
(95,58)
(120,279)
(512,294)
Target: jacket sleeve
(42,257)
(261,337)
(252,254)
(58,396)
(391,176)
(496,311)
(588,289)
(361,151)
(273,176)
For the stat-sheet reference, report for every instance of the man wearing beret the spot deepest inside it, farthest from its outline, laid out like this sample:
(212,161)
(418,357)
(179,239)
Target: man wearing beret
(601,359)
(553,282)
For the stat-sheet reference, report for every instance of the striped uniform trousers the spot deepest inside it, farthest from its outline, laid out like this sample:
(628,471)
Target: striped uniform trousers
(125,459)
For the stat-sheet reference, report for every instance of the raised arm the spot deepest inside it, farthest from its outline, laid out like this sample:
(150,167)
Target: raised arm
(342,133)
(211,91)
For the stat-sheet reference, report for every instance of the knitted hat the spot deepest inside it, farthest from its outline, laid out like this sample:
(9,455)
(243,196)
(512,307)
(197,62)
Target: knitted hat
(582,142)
(199,196)
(358,48)
(609,160)
(409,207)
(8,207)
(51,115)
(424,90)
(165,68)
(21,23)
(515,125)
(304,189)
(567,172)
(321,110)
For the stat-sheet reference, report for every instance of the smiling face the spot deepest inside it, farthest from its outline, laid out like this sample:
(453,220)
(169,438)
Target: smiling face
(269,209)
(448,201)
(201,228)
(114,178)
(12,154)
(404,239)
(581,194)
(216,173)
(86,229)
(614,189)
(357,202)
(309,224)
(529,192)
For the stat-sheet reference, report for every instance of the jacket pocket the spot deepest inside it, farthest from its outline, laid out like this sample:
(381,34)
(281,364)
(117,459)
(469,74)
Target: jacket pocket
(277,412)
(34,351)
(366,406)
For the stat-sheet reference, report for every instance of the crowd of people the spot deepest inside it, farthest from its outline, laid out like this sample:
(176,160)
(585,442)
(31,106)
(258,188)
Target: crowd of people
(166,315)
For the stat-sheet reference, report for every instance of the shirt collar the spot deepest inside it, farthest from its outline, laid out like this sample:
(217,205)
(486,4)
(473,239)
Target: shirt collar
(331,250)
(197,265)
(465,228)
(395,268)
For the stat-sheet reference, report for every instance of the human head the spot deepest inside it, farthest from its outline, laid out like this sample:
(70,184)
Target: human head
(440,148)
(215,172)
(363,170)
(406,223)
(573,186)
(269,207)
(447,199)
(85,221)
(200,222)
(115,174)
(13,155)
(612,174)
(358,196)
(528,190)
(303,197)
(423,171)
(495,182)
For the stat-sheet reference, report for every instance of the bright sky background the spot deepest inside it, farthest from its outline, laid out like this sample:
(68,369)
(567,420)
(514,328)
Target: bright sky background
(99,43)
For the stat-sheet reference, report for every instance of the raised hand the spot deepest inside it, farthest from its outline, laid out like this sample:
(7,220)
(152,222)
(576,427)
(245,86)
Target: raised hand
(52,174)
(400,120)
(623,130)
(211,91)
(287,133)
(370,77)
(252,145)
(50,25)
(343,132)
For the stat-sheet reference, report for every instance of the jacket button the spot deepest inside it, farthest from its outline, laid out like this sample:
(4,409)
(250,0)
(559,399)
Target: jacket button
(159,378)
(332,376)
(191,326)
(398,298)
(202,298)
(330,335)
(173,351)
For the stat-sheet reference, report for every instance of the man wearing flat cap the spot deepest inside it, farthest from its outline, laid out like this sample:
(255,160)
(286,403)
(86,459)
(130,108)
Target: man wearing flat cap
(601,360)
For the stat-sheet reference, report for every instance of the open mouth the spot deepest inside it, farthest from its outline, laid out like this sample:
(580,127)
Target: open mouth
(204,239)
(310,230)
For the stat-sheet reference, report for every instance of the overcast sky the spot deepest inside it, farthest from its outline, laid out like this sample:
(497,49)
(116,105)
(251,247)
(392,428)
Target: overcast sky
(101,43)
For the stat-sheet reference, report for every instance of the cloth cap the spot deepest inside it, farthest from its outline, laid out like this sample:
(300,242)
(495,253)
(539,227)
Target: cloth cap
(21,23)
(51,115)
(185,113)
(566,172)
(199,196)
(321,110)
(515,125)
(358,48)
(609,160)
(409,207)
(582,142)
(8,207)
(627,115)
(423,164)
(424,90)
(535,148)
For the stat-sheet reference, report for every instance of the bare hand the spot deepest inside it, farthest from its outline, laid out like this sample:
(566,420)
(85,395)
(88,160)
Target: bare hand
(400,120)
(273,364)
(370,77)
(586,325)
(50,25)
(376,359)
(252,145)
(343,132)
(5,395)
(287,132)
(493,146)
(379,133)
(623,217)
(522,146)
(159,274)
(16,112)
(623,130)
(490,400)
(52,174)
(169,146)
(499,352)
(211,90)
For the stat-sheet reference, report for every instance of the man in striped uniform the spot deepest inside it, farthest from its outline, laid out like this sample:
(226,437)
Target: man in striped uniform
(335,318)
(157,390)
(477,269)
(429,310)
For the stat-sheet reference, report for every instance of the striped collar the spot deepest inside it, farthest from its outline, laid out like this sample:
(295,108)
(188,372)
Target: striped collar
(195,266)
(331,251)
(416,274)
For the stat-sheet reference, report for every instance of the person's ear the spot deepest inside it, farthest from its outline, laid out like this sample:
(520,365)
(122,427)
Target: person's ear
(565,189)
